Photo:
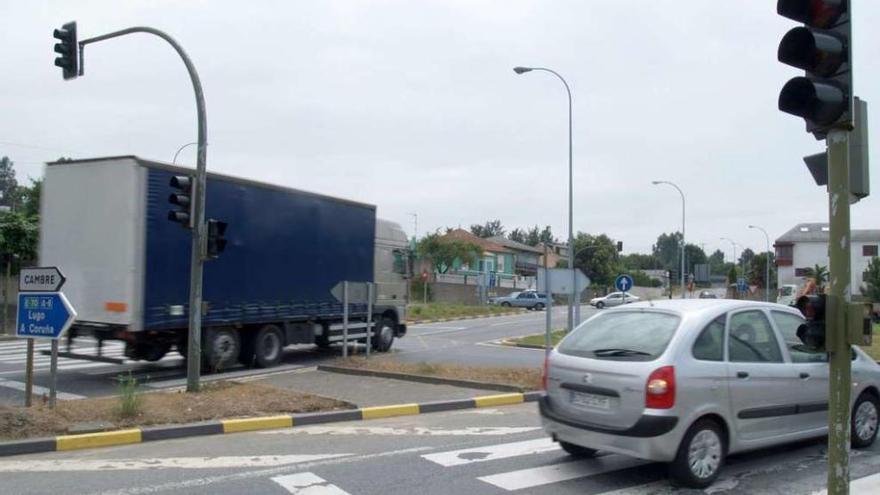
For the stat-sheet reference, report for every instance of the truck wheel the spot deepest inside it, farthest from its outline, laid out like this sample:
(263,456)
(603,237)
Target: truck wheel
(222,348)
(155,352)
(384,336)
(268,346)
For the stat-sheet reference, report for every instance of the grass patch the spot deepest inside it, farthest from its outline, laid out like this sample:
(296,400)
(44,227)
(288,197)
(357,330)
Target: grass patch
(129,398)
(525,378)
(538,338)
(217,400)
(433,311)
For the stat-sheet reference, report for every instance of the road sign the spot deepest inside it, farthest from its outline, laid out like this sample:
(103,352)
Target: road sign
(358,293)
(40,279)
(43,315)
(741,285)
(560,280)
(623,282)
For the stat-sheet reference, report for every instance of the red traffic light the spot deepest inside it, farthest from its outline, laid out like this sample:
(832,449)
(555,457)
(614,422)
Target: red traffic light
(816,13)
(812,306)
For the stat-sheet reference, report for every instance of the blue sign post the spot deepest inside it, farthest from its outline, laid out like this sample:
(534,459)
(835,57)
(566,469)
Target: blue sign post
(623,283)
(741,285)
(43,315)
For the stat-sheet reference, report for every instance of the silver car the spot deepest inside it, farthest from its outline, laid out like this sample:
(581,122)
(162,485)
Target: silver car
(690,381)
(613,299)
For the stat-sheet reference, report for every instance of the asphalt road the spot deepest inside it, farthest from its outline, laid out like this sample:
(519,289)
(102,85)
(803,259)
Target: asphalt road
(475,452)
(464,341)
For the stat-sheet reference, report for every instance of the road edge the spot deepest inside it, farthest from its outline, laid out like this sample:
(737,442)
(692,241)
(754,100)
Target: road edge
(434,380)
(226,426)
(475,317)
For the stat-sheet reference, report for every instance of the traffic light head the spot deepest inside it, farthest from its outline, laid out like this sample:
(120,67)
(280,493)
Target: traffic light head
(182,200)
(822,48)
(812,332)
(216,239)
(66,48)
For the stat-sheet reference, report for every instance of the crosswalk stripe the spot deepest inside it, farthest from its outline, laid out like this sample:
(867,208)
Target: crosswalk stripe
(307,484)
(40,358)
(545,475)
(221,462)
(37,390)
(492,452)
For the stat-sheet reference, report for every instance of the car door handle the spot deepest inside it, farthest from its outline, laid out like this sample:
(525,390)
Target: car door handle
(742,374)
(804,375)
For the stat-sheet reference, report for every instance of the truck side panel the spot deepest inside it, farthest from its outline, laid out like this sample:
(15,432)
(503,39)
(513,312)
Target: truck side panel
(286,250)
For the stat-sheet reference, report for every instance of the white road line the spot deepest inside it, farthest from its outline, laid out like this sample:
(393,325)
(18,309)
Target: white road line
(224,462)
(308,484)
(661,487)
(869,485)
(416,431)
(492,452)
(545,475)
(38,390)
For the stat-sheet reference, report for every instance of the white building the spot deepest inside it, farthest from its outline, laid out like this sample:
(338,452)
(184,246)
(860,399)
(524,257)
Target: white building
(806,245)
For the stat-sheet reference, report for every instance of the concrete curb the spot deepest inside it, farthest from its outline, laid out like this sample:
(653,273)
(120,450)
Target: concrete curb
(475,317)
(151,434)
(420,378)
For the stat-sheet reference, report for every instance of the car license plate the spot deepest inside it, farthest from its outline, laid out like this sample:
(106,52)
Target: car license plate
(590,400)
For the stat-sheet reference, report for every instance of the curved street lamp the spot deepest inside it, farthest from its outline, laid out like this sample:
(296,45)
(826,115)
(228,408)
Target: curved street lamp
(174,160)
(683,242)
(573,296)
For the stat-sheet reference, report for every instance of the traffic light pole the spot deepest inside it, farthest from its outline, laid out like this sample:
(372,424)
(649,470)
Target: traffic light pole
(194,348)
(840,377)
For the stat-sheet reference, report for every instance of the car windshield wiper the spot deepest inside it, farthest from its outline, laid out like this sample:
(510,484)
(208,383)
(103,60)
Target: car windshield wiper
(619,352)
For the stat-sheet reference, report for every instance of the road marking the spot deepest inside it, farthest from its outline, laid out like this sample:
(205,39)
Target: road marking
(225,462)
(492,452)
(863,486)
(415,431)
(37,390)
(308,484)
(545,475)
(661,487)
(261,473)
(494,343)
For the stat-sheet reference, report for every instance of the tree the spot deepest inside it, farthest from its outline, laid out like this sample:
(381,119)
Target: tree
(871,290)
(820,275)
(596,256)
(716,262)
(18,236)
(636,261)
(668,250)
(732,275)
(546,236)
(694,255)
(443,252)
(758,270)
(746,257)
(517,235)
(29,198)
(8,184)
(491,228)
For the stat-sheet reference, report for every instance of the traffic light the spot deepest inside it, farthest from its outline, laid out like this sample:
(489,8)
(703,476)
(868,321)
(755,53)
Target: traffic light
(822,48)
(812,332)
(67,50)
(619,246)
(183,214)
(216,241)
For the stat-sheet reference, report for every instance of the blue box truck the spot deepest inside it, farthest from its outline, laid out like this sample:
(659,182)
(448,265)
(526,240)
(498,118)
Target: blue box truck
(104,223)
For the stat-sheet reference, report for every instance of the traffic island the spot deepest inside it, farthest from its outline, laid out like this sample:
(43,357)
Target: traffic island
(535,341)
(437,313)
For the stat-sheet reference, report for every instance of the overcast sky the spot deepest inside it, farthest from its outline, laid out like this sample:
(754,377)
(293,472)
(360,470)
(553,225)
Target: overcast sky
(413,106)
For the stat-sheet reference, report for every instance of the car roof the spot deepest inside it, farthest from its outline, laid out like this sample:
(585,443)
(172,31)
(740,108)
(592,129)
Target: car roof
(696,307)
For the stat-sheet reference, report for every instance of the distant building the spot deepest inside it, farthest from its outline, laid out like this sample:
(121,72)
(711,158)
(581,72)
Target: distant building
(526,259)
(806,245)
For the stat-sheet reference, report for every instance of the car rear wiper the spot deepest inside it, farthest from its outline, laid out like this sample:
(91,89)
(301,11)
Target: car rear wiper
(619,352)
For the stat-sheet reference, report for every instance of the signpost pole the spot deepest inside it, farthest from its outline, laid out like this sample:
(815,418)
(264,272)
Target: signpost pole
(549,308)
(577,300)
(369,316)
(345,319)
(29,374)
(53,372)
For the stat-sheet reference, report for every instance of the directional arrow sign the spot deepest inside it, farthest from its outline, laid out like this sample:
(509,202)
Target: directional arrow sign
(623,283)
(40,279)
(43,315)
(559,280)
(357,292)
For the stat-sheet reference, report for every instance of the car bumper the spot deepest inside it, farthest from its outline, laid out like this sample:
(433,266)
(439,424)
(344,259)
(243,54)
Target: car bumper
(653,437)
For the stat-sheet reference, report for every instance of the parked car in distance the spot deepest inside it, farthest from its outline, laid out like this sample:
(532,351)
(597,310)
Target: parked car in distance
(525,299)
(614,299)
(689,382)
(707,294)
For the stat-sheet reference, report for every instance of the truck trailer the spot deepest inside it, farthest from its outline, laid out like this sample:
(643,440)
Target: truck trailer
(104,224)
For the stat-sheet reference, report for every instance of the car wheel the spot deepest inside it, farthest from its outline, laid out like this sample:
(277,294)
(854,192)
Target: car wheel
(577,451)
(600,305)
(864,421)
(268,346)
(505,304)
(384,335)
(700,455)
(538,307)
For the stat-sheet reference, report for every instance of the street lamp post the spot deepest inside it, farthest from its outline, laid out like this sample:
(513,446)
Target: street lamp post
(683,242)
(766,265)
(573,296)
(732,243)
(174,160)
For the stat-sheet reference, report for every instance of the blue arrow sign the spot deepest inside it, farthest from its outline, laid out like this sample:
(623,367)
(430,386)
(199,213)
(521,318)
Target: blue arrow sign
(623,283)
(43,315)
(741,285)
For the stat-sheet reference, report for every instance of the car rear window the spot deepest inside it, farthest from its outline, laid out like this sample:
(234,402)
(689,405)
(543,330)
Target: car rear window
(625,335)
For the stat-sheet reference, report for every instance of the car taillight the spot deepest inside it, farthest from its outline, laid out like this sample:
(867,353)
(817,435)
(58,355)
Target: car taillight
(544,374)
(660,389)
